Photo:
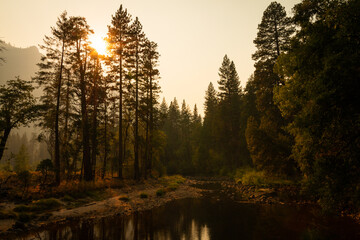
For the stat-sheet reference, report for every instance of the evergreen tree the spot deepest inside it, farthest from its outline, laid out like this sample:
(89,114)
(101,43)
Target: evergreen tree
(50,76)
(274,33)
(209,133)
(270,150)
(81,57)
(229,80)
(185,152)
(150,87)
(229,108)
(118,37)
(136,41)
(22,159)
(17,107)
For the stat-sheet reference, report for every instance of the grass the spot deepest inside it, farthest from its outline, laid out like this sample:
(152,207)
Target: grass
(250,176)
(68,198)
(40,205)
(175,179)
(172,187)
(46,204)
(143,195)
(124,198)
(161,192)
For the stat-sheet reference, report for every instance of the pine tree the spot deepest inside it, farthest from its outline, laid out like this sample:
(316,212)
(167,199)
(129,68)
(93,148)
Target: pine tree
(272,152)
(229,108)
(137,39)
(50,76)
(81,55)
(229,80)
(273,35)
(118,37)
(17,107)
(150,87)
(22,159)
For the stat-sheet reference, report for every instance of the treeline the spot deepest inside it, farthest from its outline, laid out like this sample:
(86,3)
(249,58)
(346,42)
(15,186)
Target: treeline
(23,152)
(298,116)
(97,112)
(99,109)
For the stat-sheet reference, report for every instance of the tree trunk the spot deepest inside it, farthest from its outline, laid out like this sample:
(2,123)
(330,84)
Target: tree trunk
(94,121)
(57,140)
(4,139)
(106,143)
(120,121)
(84,120)
(136,162)
(151,124)
(66,131)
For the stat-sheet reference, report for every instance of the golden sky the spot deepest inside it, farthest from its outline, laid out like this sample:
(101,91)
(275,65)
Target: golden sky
(193,35)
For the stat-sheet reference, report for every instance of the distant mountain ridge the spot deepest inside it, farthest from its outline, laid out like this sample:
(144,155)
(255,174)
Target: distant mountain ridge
(19,62)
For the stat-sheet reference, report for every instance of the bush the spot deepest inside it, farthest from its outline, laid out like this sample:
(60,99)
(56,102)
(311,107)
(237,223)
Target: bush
(24,177)
(22,208)
(143,195)
(124,198)
(161,192)
(68,198)
(253,178)
(249,176)
(46,204)
(45,166)
(41,205)
(172,187)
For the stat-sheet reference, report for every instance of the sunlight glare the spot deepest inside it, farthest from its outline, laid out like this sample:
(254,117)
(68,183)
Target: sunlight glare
(98,43)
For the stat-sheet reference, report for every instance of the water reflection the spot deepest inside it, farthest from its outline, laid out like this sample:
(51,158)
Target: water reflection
(205,219)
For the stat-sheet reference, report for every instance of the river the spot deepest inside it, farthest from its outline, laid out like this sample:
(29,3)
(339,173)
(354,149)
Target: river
(210,218)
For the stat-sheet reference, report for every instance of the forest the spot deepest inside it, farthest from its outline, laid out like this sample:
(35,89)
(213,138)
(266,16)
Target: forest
(297,120)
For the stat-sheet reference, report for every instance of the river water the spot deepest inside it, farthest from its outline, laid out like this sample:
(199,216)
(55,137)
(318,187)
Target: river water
(211,218)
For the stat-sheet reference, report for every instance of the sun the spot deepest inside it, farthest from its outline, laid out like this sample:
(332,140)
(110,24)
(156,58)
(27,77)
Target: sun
(98,42)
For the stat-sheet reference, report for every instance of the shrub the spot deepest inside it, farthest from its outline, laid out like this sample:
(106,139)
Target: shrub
(22,208)
(68,198)
(250,176)
(124,198)
(46,204)
(45,166)
(161,192)
(24,177)
(253,178)
(41,205)
(172,187)
(143,195)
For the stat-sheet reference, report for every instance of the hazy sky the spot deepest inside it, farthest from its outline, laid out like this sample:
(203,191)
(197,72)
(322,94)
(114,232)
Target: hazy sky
(193,35)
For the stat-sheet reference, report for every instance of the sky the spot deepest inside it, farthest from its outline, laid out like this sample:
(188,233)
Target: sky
(192,35)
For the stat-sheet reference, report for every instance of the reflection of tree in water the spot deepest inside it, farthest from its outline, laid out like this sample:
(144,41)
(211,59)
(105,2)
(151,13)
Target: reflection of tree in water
(205,219)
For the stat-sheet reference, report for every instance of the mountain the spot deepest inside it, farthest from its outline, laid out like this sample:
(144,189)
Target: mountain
(19,62)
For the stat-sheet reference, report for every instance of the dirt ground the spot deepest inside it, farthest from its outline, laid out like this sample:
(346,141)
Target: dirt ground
(108,207)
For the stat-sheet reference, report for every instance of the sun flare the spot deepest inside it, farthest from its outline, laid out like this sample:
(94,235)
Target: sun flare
(98,43)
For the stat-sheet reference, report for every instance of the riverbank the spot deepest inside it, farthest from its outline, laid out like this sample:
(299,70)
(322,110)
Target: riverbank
(131,197)
(136,197)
